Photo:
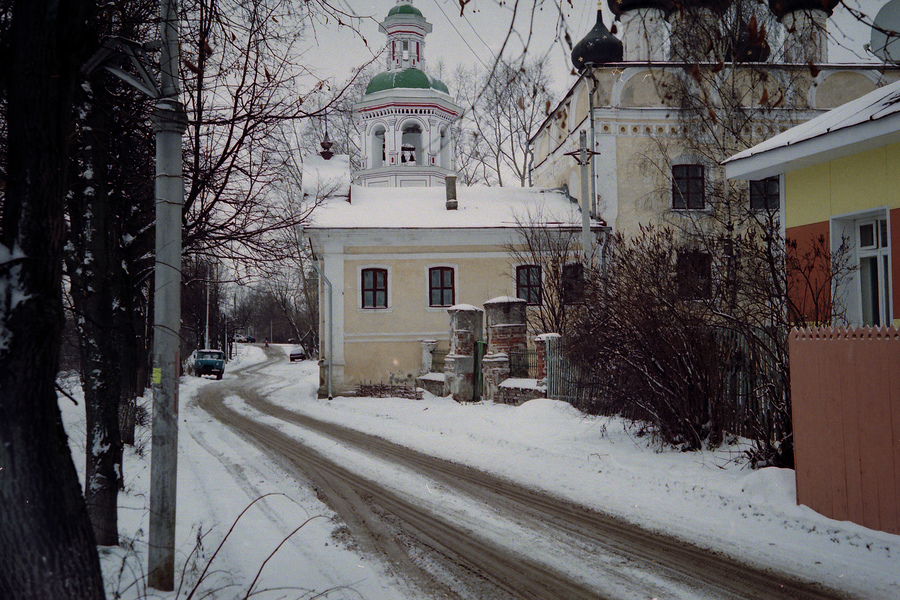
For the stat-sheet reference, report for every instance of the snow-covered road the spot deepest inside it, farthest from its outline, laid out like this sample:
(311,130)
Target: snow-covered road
(598,465)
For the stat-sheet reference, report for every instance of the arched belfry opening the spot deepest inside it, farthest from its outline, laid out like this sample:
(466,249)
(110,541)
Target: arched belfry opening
(411,145)
(445,151)
(378,150)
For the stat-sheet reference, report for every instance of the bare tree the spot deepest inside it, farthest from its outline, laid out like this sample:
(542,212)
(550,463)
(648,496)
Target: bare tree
(556,252)
(242,71)
(109,203)
(504,109)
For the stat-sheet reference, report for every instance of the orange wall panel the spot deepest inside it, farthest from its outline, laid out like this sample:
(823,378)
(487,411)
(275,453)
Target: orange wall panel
(810,293)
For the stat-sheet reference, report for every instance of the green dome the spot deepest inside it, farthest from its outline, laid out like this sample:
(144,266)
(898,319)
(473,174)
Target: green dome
(405,79)
(404,9)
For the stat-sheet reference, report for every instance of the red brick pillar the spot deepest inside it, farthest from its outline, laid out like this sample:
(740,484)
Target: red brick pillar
(459,366)
(505,324)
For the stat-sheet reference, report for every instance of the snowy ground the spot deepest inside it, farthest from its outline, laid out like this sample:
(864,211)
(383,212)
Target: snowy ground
(709,497)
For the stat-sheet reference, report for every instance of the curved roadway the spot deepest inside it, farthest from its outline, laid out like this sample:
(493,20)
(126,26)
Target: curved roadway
(442,558)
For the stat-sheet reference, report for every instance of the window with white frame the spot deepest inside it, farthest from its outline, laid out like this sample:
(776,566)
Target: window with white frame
(864,296)
(374,288)
(874,271)
(441,286)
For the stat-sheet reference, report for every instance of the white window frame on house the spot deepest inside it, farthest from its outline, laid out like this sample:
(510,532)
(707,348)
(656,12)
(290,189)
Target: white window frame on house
(428,270)
(388,293)
(868,299)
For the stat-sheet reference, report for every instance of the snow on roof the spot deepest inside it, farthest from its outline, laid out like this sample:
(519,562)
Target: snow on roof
(326,178)
(871,121)
(504,300)
(425,207)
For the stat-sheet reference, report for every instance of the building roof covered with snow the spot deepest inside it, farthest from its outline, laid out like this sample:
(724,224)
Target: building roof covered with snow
(426,208)
(871,121)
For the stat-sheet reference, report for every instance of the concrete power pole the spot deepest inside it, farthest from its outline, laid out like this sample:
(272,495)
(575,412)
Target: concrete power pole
(170,122)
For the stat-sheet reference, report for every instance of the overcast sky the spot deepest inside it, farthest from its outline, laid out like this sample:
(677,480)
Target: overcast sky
(475,37)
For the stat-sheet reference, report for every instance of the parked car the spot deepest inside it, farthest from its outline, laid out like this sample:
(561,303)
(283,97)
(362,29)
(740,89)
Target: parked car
(240,338)
(251,339)
(297,353)
(209,362)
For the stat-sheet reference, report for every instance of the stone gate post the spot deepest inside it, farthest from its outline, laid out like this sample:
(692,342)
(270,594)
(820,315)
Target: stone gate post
(459,366)
(505,317)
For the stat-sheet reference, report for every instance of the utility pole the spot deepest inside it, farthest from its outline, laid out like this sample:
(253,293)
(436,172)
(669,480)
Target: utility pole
(206,334)
(583,157)
(169,122)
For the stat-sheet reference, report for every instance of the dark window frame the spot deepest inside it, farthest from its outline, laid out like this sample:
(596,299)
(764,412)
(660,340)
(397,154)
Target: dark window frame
(371,292)
(688,187)
(765,194)
(693,271)
(573,283)
(442,287)
(527,288)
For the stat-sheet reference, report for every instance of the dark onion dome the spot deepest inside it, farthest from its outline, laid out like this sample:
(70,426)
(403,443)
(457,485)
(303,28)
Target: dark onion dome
(598,47)
(620,6)
(782,7)
(405,79)
(405,9)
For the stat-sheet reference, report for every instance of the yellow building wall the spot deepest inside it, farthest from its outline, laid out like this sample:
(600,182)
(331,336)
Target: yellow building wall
(867,180)
(385,344)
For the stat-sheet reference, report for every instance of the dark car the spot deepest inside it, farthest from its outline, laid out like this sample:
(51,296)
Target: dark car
(297,353)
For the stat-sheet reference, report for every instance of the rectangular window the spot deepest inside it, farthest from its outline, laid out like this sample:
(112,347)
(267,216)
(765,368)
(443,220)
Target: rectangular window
(688,187)
(693,271)
(374,288)
(572,283)
(440,287)
(874,272)
(528,284)
(765,194)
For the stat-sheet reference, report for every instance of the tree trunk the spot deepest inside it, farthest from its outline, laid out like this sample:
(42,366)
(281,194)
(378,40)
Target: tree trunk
(90,267)
(48,548)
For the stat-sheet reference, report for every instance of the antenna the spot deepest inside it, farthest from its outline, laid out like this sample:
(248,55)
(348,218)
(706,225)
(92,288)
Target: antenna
(885,42)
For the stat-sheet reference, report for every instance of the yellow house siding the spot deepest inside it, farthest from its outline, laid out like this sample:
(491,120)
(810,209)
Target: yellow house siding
(855,183)
(385,344)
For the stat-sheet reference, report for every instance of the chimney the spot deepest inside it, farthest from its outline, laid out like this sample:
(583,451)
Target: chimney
(450,182)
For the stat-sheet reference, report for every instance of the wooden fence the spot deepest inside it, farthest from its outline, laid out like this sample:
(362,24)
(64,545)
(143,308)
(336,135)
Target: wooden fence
(845,387)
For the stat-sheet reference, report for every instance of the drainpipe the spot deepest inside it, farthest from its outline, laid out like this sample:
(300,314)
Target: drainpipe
(315,265)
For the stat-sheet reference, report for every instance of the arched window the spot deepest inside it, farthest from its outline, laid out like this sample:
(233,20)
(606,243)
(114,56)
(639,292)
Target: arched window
(411,145)
(378,149)
(445,147)
(374,288)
